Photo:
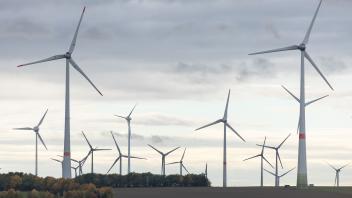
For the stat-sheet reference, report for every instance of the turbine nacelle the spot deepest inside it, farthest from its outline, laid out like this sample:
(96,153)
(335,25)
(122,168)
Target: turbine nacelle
(68,55)
(302,47)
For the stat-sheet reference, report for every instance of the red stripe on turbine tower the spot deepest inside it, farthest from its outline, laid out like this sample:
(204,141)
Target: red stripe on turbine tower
(302,136)
(67,154)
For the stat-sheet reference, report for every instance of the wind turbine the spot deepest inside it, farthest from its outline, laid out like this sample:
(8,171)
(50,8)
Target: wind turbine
(302,181)
(119,158)
(182,166)
(206,170)
(37,135)
(80,163)
(91,151)
(163,156)
(226,124)
(278,176)
(277,158)
(337,175)
(128,119)
(261,155)
(66,171)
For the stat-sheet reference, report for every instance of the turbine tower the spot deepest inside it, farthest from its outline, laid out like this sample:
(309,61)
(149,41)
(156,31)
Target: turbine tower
(206,170)
(128,119)
(302,181)
(66,171)
(226,124)
(261,155)
(277,158)
(182,166)
(278,176)
(119,158)
(337,174)
(163,156)
(37,135)
(91,152)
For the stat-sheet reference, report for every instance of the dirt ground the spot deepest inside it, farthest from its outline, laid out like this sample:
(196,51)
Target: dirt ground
(241,192)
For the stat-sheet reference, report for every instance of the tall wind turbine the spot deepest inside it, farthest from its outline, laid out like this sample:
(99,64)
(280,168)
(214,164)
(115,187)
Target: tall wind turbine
(278,176)
(277,158)
(261,155)
(337,175)
(182,166)
(119,158)
(91,152)
(128,119)
(66,171)
(302,181)
(37,135)
(163,156)
(226,124)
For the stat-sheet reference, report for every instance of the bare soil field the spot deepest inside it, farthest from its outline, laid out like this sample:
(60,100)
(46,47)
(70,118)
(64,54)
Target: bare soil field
(241,192)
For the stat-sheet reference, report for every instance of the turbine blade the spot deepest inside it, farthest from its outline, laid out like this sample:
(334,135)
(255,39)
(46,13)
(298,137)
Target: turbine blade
(132,110)
(344,166)
(56,160)
(233,130)
(299,123)
(227,104)
(74,65)
(184,167)
(269,172)
(142,158)
(183,155)
(24,128)
(117,146)
(306,38)
(291,93)
(102,149)
(218,121)
(73,43)
(172,163)
(161,153)
(113,164)
(252,157)
(41,120)
(171,151)
(90,146)
(292,47)
(332,166)
(317,69)
(284,141)
(41,139)
(278,156)
(308,103)
(263,146)
(268,162)
(287,172)
(56,57)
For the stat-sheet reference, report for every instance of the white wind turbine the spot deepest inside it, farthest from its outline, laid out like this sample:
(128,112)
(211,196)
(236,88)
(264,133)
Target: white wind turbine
(261,155)
(37,135)
(91,152)
(226,124)
(119,158)
(182,166)
(66,171)
(128,119)
(277,158)
(337,174)
(163,156)
(302,181)
(278,176)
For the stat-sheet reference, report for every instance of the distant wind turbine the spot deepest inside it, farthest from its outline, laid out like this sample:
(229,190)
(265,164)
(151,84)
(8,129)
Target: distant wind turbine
(128,119)
(37,135)
(66,171)
(206,170)
(120,156)
(302,181)
(91,152)
(277,158)
(182,166)
(163,156)
(226,124)
(279,176)
(337,173)
(261,155)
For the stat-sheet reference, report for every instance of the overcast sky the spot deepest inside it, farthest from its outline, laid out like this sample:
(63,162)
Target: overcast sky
(177,59)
